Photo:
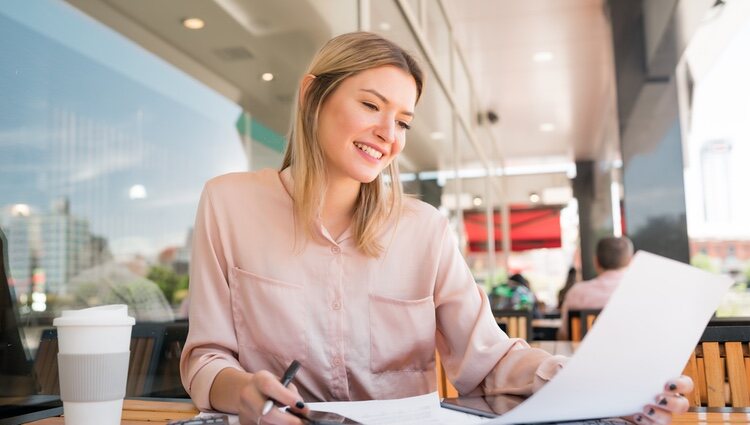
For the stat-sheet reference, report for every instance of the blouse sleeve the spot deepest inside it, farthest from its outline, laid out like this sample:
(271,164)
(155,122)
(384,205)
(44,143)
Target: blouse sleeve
(478,357)
(211,342)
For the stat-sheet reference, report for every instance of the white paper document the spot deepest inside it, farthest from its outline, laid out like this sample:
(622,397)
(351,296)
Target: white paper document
(642,338)
(420,410)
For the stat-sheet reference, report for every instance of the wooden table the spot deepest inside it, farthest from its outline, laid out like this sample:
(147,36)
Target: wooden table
(565,348)
(141,412)
(545,329)
(703,415)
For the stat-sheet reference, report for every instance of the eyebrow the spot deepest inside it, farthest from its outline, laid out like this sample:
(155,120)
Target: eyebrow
(385,100)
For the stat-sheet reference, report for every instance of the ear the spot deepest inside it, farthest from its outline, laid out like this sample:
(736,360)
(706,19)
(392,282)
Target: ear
(304,85)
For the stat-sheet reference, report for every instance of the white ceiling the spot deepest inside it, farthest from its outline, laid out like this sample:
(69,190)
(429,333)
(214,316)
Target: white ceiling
(245,38)
(574,91)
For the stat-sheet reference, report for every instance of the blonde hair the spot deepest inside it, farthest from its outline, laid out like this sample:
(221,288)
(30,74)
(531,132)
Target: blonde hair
(339,59)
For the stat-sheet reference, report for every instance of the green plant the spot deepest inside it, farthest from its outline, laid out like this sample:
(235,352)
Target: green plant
(168,281)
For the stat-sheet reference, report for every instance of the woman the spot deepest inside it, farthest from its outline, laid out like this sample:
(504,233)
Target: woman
(326,263)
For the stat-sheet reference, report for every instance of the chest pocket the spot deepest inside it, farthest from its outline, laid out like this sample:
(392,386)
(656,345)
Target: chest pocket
(269,315)
(402,334)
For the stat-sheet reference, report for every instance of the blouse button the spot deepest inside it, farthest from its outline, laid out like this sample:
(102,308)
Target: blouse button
(337,361)
(335,249)
(336,305)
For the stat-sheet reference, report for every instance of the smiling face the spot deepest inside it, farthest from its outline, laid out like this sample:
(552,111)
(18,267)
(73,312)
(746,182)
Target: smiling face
(362,125)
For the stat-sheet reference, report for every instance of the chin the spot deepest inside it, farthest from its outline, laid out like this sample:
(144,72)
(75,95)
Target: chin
(365,177)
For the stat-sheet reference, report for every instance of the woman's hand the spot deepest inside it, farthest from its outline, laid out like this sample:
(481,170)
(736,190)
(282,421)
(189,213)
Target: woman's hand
(671,401)
(263,386)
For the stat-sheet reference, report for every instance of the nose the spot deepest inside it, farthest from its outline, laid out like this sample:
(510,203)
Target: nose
(386,131)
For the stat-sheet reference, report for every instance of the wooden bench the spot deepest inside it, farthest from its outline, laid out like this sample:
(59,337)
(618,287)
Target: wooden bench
(720,366)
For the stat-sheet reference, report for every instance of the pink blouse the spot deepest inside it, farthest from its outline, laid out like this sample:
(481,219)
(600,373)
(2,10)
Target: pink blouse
(362,327)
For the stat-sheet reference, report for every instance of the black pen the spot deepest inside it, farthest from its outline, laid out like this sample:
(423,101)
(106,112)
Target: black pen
(285,380)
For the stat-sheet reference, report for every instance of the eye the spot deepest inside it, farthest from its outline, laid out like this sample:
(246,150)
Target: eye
(404,125)
(372,106)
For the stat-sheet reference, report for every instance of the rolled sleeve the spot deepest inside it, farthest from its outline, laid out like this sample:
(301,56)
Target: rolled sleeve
(211,343)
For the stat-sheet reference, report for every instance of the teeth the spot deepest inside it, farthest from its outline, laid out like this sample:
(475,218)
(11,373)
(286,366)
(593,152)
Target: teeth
(368,150)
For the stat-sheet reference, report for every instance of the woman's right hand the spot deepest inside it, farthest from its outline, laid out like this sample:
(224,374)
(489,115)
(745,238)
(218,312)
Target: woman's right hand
(263,385)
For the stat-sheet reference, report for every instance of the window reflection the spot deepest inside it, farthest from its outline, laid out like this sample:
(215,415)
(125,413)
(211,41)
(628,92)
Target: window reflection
(101,166)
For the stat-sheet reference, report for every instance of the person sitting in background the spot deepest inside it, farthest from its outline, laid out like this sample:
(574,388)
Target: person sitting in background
(569,282)
(114,283)
(612,257)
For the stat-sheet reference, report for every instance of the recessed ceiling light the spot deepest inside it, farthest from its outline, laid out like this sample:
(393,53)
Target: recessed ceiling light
(547,127)
(437,135)
(477,201)
(267,76)
(193,23)
(534,197)
(384,26)
(543,56)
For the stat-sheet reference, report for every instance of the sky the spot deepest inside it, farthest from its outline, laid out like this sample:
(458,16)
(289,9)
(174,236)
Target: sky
(87,115)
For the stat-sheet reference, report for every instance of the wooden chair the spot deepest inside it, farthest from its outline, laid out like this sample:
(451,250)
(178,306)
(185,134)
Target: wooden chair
(445,387)
(145,348)
(167,382)
(45,364)
(720,366)
(579,323)
(515,323)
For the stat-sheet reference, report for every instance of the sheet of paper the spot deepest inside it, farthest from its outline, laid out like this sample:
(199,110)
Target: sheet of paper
(423,409)
(642,338)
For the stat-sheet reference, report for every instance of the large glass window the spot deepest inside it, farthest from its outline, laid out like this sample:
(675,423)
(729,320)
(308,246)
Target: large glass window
(716,112)
(104,149)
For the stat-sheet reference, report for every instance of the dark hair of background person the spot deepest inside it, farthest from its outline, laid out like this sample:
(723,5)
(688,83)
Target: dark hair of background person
(518,278)
(614,253)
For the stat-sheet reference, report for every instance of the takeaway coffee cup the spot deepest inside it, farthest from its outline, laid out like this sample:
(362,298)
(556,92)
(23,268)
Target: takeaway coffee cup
(94,346)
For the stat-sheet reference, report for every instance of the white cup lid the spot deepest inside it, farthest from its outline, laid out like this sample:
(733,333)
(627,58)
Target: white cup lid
(104,315)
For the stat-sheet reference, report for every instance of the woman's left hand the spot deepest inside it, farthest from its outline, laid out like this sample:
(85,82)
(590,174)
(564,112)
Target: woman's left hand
(671,401)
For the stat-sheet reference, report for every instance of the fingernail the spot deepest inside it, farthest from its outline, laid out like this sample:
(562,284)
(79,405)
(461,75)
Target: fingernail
(300,405)
(672,387)
(663,402)
(651,411)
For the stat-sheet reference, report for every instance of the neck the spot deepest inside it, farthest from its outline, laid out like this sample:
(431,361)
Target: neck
(338,205)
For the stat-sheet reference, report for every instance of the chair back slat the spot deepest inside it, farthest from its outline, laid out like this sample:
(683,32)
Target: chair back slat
(580,321)
(736,374)
(691,369)
(714,374)
(702,382)
(45,363)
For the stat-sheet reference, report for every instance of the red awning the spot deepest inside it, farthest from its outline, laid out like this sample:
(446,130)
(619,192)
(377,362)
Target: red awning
(530,228)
